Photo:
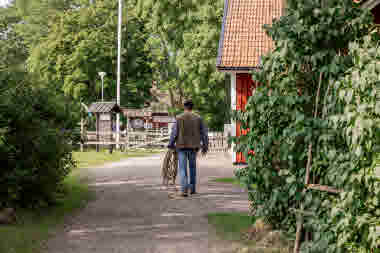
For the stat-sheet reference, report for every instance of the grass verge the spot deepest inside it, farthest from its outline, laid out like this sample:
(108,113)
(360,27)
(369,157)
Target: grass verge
(35,226)
(92,158)
(230,226)
(226,180)
(258,238)
(231,180)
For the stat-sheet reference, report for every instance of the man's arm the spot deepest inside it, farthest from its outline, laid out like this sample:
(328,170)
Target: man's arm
(173,136)
(204,136)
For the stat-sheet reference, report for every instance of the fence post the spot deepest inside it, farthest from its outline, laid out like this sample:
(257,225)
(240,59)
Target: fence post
(81,133)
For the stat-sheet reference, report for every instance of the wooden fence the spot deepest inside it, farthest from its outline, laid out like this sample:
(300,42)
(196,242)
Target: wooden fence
(218,142)
(152,138)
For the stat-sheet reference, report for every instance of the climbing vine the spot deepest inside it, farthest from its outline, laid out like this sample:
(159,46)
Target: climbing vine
(319,99)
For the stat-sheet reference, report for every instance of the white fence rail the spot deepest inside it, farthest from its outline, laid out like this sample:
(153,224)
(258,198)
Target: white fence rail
(151,138)
(218,142)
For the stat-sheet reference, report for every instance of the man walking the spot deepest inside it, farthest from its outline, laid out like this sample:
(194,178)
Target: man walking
(189,134)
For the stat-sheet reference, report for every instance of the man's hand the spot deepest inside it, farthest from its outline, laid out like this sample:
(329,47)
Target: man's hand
(204,151)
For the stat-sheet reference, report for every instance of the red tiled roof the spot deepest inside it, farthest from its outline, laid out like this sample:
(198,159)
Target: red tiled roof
(243,39)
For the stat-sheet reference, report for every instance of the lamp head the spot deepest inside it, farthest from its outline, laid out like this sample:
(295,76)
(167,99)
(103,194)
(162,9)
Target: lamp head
(102,74)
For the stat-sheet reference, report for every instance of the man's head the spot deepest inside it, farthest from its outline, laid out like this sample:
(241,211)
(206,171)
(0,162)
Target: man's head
(188,105)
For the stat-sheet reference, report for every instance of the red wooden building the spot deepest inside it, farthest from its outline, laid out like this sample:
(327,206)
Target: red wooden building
(146,118)
(243,41)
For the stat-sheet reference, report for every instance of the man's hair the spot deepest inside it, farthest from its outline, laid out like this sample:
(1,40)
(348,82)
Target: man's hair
(188,105)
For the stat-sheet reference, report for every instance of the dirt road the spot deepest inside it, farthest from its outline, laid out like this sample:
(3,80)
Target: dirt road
(133,213)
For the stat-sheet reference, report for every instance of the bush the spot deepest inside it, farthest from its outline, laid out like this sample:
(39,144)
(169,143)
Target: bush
(317,94)
(35,145)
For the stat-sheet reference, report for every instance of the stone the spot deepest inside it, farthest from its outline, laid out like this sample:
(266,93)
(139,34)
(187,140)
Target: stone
(7,216)
(273,237)
(243,250)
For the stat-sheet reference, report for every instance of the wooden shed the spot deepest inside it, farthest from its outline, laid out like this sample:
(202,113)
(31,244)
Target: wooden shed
(105,113)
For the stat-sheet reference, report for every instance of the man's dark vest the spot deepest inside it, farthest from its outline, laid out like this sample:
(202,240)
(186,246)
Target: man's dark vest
(188,129)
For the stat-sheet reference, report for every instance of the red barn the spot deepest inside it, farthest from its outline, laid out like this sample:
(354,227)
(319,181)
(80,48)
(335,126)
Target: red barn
(242,42)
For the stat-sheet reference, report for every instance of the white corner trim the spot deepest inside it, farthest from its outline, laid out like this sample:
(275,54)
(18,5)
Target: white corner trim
(233,91)
(233,107)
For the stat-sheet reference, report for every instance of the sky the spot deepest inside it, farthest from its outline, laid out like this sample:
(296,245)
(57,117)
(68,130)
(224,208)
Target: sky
(3,2)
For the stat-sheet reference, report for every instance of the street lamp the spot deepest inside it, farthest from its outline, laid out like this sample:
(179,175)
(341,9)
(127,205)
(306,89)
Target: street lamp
(102,74)
(118,73)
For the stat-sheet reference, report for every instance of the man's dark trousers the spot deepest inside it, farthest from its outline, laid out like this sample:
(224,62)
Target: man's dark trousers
(184,156)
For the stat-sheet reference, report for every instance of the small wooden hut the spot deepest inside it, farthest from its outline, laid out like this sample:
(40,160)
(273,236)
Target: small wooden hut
(105,113)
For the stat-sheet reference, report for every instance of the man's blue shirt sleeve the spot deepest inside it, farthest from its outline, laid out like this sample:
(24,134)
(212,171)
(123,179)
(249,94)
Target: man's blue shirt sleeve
(173,136)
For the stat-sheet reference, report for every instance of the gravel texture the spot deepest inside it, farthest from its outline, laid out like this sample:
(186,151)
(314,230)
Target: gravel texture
(133,213)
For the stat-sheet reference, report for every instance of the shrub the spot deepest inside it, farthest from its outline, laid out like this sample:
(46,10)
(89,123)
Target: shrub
(317,94)
(35,145)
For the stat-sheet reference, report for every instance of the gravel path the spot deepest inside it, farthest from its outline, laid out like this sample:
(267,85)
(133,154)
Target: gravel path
(133,213)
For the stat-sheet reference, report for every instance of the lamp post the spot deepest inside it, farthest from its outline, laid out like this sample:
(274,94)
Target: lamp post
(102,74)
(118,73)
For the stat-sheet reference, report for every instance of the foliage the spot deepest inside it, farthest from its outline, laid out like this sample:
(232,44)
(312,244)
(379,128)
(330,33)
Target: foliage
(183,47)
(36,15)
(355,217)
(36,226)
(35,145)
(81,42)
(208,87)
(314,95)
(35,152)
(13,50)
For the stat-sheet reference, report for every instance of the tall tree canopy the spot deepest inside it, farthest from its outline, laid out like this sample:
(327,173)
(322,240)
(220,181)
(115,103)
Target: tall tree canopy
(171,43)
(34,150)
(81,42)
(183,46)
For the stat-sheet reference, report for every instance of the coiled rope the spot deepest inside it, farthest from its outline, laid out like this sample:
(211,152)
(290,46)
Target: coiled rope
(170,168)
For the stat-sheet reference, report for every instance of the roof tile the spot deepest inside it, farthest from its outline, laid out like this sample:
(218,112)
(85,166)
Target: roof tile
(243,39)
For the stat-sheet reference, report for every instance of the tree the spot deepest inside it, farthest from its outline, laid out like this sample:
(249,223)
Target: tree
(183,47)
(208,87)
(13,51)
(82,42)
(35,149)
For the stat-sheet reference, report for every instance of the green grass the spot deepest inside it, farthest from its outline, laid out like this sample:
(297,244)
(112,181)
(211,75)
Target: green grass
(231,180)
(92,158)
(227,180)
(230,226)
(34,227)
